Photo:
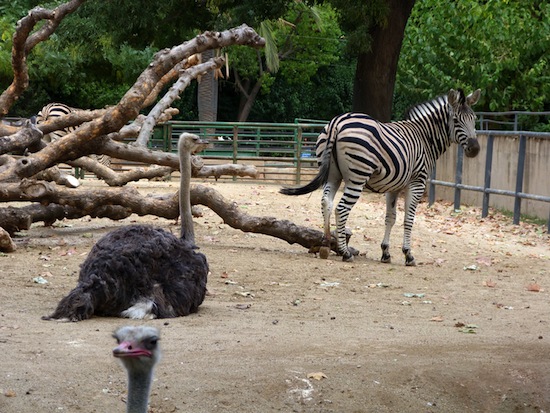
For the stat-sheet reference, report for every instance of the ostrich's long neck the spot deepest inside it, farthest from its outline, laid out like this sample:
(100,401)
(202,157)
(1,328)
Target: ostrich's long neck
(187,230)
(139,385)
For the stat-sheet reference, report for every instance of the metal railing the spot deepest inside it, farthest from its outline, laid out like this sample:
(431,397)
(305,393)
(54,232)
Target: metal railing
(486,189)
(288,150)
(272,147)
(506,120)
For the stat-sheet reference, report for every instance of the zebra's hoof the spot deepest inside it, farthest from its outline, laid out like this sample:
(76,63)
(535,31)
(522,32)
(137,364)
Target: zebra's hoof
(347,257)
(324,252)
(386,259)
(410,263)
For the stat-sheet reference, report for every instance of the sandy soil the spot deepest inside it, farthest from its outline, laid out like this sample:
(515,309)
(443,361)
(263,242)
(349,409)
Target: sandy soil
(467,330)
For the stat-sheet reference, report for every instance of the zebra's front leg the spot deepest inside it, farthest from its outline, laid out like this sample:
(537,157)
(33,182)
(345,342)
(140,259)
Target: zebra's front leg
(414,193)
(391,203)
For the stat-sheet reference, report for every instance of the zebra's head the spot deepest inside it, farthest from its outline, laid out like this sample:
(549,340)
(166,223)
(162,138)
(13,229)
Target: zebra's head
(463,120)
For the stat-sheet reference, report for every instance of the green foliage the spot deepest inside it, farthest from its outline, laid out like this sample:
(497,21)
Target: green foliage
(301,43)
(327,94)
(357,20)
(500,46)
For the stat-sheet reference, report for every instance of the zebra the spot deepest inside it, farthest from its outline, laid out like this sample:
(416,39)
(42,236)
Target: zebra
(56,110)
(387,158)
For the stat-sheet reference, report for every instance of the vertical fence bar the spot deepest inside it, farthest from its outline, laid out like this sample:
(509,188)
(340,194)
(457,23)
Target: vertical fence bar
(519,177)
(298,155)
(167,137)
(488,169)
(458,175)
(431,189)
(235,143)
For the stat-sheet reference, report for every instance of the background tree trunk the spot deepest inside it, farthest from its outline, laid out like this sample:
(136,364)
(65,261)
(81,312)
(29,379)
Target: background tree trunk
(207,92)
(376,70)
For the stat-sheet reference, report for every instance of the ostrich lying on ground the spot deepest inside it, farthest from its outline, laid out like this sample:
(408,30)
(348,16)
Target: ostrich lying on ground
(139,271)
(138,351)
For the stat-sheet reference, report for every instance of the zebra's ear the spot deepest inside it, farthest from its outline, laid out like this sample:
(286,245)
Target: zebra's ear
(473,97)
(453,97)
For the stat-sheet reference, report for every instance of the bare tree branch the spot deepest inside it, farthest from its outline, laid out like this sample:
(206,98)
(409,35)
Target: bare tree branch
(29,137)
(23,43)
(79,142)
(173,94)
(122,203)
(174,73)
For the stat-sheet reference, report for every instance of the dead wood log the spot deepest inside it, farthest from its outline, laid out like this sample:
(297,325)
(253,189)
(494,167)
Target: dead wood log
(283,229)
(19,219)
(27,138)
(24,42)
(170,76)
(60,178)
(173,93)
(6,243)
(123,202)
(6,130)
(79,142)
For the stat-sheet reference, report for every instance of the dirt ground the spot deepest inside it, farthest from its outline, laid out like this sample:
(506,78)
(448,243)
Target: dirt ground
(467,330)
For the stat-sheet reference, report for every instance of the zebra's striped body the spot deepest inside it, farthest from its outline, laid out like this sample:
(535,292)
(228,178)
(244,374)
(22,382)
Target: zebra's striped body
(388,158)
(56,110)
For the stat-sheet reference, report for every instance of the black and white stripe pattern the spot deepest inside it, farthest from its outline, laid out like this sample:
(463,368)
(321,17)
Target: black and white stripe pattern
(388,158)
(56,110)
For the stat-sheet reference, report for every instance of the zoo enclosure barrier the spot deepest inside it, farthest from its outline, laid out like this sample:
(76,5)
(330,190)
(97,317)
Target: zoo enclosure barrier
(529,169)
(285,153)
(511,120)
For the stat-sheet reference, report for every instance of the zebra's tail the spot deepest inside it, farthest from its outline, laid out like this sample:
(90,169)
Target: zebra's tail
(319,180)
(316,183)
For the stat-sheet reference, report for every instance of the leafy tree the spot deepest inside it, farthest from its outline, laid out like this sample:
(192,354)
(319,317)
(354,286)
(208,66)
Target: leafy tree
(500,46)
(301,43)
(374,30)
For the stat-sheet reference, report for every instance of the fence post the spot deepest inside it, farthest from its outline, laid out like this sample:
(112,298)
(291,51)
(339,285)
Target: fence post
(167,136)
(488,169)
(519,178)
(235,143)
(298,154)
(431,190)
(458,176)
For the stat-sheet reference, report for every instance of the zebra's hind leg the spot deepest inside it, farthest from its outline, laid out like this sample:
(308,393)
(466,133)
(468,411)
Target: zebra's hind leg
(409,259)
(391,202)
(414,193)
(350,197)
(329,192)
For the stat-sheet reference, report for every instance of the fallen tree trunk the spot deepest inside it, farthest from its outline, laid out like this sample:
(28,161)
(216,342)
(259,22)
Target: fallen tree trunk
(100,132)
(119,204)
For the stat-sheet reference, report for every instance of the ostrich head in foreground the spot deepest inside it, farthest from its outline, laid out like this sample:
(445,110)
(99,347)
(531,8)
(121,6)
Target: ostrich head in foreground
(138,350)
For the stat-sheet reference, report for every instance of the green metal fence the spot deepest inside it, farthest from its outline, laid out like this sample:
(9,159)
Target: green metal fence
(280,151)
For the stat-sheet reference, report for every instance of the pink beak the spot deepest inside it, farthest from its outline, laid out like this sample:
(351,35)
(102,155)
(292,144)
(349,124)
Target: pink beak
(126,349)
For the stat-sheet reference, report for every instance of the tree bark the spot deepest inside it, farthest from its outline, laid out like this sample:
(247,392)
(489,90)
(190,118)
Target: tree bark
(83,140)
(376,70)
(58,203)
(27,138)
(98,132)
(24,42)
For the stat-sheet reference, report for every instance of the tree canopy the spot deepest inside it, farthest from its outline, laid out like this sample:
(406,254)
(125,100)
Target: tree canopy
(500,46)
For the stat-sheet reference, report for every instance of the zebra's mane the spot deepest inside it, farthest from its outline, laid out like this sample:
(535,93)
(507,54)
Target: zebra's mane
(423,109)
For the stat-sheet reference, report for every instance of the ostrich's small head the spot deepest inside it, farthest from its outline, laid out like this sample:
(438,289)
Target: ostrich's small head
(137,347)
(189,142)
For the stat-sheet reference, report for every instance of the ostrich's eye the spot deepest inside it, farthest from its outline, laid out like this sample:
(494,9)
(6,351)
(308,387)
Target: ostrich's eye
(152,342)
